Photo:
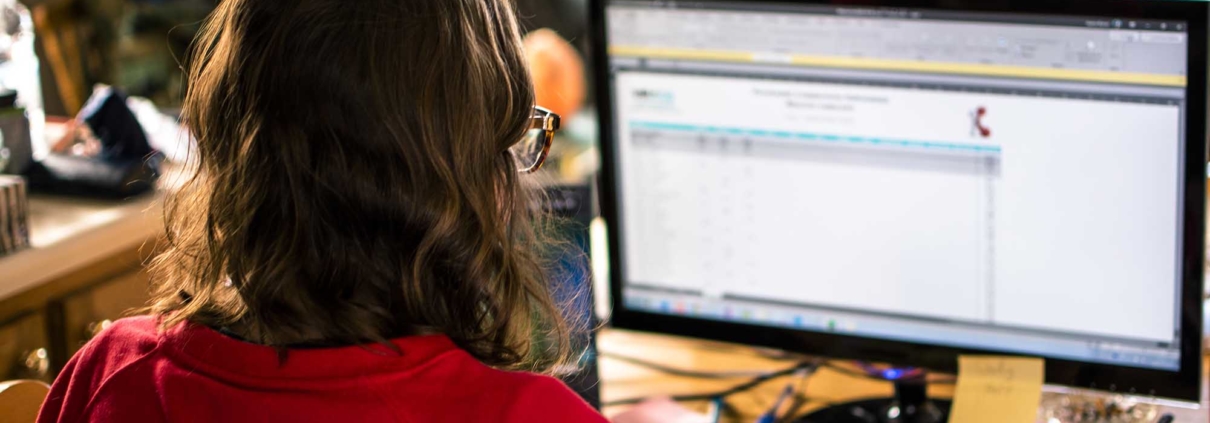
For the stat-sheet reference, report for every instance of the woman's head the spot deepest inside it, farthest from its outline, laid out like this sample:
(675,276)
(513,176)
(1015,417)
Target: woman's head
(354,181)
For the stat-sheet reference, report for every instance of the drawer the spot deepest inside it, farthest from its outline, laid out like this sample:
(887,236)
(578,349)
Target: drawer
(87,313)
(24,349)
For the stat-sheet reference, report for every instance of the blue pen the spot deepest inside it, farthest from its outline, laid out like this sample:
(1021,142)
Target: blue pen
(771,415)
(716,410)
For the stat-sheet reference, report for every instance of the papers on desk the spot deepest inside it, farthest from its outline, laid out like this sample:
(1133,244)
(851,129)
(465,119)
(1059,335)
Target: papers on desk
(997,389)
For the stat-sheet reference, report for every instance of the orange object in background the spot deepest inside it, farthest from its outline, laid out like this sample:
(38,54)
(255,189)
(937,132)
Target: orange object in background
(557,71)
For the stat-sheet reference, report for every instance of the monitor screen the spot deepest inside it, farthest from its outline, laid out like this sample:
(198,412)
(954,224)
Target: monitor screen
(984,181)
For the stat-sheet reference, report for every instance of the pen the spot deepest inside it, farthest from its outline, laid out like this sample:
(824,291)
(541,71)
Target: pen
(716,410)
(771,415)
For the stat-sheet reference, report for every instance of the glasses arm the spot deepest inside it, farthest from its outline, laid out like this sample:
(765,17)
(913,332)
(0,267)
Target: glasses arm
(545,119)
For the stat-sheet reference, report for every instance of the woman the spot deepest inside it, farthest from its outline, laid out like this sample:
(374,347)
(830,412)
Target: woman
(357,242)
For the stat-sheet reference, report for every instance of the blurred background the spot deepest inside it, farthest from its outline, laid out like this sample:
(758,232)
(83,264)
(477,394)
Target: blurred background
(135,44)
(55,52)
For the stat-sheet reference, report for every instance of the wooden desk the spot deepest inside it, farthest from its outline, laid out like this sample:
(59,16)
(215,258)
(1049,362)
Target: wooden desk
(85,267)
(70,235)
(622,380)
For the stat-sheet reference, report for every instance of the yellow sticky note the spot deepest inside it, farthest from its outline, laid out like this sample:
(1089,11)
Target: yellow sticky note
(997,390)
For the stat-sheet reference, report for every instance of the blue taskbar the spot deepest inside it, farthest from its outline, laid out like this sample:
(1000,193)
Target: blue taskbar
(927,331)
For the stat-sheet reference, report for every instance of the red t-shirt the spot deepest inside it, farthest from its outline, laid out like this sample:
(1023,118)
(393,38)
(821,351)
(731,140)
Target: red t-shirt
(132,372)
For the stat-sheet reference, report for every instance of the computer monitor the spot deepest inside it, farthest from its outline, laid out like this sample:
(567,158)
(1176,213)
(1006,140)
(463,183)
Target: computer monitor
(908,181)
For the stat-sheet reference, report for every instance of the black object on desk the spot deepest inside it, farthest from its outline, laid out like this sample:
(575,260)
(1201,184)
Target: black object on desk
(909,405)
(89,177)
(125,166)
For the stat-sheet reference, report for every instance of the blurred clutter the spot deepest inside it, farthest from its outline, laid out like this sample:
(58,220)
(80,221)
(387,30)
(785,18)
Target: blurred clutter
(14,215)
(1081,406)
(90,56)
(561,85)
(557,70)
(131,44)
(104,153)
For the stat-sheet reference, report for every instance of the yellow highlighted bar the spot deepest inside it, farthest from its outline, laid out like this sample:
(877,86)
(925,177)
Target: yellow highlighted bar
(913,66)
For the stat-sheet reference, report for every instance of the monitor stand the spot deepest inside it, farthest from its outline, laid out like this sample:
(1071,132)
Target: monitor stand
(910,405)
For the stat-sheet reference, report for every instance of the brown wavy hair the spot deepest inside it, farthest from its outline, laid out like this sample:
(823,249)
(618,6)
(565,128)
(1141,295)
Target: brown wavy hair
(352,181)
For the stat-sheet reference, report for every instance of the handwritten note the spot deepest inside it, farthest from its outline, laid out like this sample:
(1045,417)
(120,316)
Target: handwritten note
(997,390)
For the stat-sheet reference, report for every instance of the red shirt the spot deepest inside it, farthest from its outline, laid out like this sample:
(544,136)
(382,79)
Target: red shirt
(132,372)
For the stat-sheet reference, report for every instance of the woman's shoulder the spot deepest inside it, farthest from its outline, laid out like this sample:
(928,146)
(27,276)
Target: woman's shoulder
(540,398)
(108,376)
(514,396)
(118,348)
(140,326)
(124,338)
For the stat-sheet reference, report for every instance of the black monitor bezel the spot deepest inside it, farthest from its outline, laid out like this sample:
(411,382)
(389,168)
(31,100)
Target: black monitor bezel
(1181,385)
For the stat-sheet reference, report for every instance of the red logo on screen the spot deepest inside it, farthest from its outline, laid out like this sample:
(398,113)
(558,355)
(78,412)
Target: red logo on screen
(978,128)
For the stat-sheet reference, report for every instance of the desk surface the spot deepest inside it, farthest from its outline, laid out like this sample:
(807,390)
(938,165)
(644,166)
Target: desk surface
(69,233)
(622,380)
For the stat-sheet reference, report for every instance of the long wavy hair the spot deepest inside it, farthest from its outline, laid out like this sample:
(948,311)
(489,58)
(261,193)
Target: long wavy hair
(352,181)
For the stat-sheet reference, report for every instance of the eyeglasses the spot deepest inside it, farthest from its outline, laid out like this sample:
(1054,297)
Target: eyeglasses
(531,151)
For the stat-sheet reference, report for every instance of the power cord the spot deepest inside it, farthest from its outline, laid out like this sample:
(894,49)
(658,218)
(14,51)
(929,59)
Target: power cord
(809,366)
(758,378)
(675,371)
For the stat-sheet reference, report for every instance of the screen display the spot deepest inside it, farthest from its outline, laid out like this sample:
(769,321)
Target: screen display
(996,182)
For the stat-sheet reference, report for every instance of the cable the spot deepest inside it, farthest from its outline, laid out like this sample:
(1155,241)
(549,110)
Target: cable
(831,365)
(758,378)
(757,381)
(799,400)
(683,372)
(795,408)
(792,390)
